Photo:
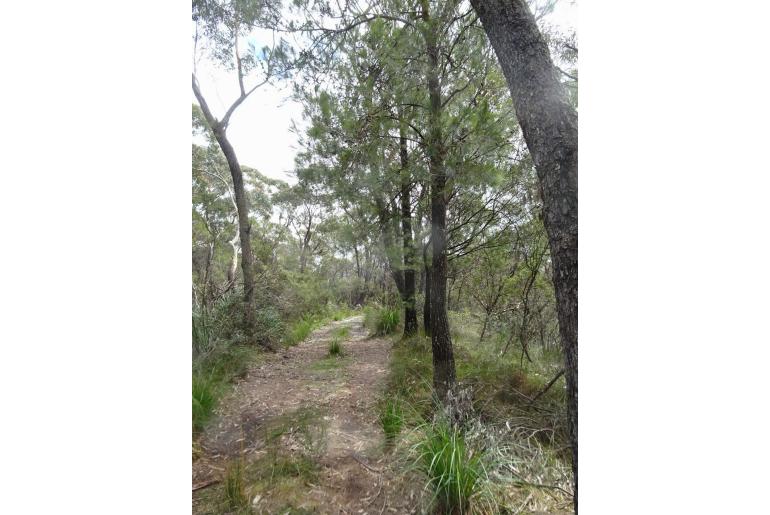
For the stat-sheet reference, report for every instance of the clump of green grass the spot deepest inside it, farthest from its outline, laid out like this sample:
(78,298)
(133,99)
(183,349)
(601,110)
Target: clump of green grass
(235,490)
(212,374)
(203,400)
(281,467)
(387,321)
(454,471)
(342,332)
(330,363)
(411,375)
(300,330)
(392,418)
(335,348)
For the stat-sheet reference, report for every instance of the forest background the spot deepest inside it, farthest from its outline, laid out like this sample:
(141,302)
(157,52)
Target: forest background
(97,219)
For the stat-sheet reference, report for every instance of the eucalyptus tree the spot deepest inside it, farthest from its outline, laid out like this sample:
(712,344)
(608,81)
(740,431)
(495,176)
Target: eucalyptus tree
(549,123)
(221,26)
(213,220)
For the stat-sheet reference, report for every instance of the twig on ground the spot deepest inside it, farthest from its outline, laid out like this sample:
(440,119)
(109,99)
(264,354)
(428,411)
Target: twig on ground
(205,484)
(365,465)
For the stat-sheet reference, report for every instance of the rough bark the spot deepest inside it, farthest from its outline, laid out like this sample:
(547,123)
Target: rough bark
(549,125)
(426,305)
(244,225)
(444,376)
(408,294)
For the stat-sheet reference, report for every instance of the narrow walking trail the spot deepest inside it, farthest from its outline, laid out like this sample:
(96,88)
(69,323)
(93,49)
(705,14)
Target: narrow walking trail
(306,427)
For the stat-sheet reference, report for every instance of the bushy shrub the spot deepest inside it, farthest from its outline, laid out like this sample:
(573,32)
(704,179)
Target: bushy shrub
(268,326)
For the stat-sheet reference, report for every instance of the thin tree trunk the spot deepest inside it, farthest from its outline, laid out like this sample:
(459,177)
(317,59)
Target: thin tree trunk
(484,327)
(426,305)
(444,376)
(408,297)
(305,244)
(233,262)
(207,275)
(549,125)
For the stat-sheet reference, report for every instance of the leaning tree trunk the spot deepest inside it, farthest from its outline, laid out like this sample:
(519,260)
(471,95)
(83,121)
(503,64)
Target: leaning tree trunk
(444,377)
(241,204)
(244,225)
(408,295)
(549,125)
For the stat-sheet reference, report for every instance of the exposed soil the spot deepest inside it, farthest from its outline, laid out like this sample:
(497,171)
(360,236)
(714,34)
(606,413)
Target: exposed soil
(301,402)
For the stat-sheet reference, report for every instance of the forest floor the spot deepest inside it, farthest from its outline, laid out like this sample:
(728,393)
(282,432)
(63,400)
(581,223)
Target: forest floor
(300,434)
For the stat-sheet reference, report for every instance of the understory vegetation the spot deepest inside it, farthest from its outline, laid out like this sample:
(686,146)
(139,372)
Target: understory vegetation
(513,448)
(422,203)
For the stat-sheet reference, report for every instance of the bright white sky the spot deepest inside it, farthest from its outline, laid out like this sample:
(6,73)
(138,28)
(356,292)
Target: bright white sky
(260,128)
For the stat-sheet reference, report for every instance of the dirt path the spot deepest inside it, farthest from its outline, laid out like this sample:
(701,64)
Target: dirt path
(305,427)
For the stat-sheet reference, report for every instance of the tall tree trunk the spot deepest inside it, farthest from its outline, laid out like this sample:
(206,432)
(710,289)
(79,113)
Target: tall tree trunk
(358,262)
(426,305)
(244,225)
(408,296)
(444,376)
(549,125)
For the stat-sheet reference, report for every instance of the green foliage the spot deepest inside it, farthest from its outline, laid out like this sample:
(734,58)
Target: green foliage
(280,467)
(342,332)
(454,471)
(203,400)
(391,418)
(410,377)
(335,349)
(268,326)
(235,490)
(220,355)
(381,321)
(300,330)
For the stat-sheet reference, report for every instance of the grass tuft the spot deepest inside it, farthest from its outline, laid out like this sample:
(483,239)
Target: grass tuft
(203,400)
(300,330)
(335,348)
(342,332)
(392,419)
(235,489)
(387,321)
(454,471)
